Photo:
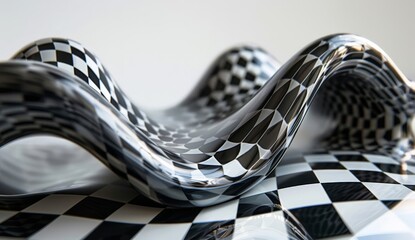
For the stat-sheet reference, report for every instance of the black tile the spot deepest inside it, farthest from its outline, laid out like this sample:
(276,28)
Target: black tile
(220,86)
(259,204)
(250,76)
(287,101)
(46,46)
(227,66)
(93,207)
(144,201)
(95,79)
(235,80)
(391,168)
(390,203)
(19,203)
(238,187)
(295,179)
(271,175)
(351,157)
(211,230)
(60,40)
(239,134)
(81,75)
(115,230)
(321,221)
(35,56)
(64,57)
(88,190)
(347,191)
(305,70)
(372,176)
(259,130)
(170,215)
(277,97)
(78,53)
(25,224)
(249,158)
(227,155)
(320,50)
(287,160)
(326,165)
(242,62)
(268,138)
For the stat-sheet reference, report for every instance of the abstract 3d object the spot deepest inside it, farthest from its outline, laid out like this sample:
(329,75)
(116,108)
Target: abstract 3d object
(342,92)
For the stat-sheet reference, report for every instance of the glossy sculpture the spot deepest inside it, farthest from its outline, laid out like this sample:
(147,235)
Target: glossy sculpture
(234,128)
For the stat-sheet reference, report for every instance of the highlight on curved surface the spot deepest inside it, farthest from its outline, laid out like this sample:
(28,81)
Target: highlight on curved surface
(234,128)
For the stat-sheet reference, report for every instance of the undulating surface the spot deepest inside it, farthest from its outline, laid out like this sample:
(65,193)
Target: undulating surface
(339,115)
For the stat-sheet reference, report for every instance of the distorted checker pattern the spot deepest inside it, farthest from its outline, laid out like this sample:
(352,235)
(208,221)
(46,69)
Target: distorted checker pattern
(241,70)
(235,75)
(367,117)
(248,143)
(337,188)
(238,73)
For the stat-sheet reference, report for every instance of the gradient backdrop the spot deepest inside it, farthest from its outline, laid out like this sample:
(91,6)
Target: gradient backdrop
(158,50)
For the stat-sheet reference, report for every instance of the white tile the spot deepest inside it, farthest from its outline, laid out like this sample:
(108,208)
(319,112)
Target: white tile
(76,45)
(380,159)
(48,55)
(54,204)
(92,65)
(233,169)
(342,237)
(270,226)
(4,215)
(405,210)
(365,166)
(302,196)
(327,176)
(67,227)
(80,64)
(292,168)
(130,213)
(358,214)
(268,185)
(389,236)
(383,191)
(116,192)
(411,196)
(224,211)
(387,223)
(342,152)
(320,158)
(402,179)
(169,231)
(68,68)
(32,51)
(62,47)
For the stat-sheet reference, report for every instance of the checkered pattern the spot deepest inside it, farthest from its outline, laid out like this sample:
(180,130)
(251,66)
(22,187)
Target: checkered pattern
(235,75)
(330,194)
(208,158)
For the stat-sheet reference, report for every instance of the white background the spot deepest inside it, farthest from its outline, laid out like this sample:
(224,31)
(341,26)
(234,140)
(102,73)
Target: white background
(158,50)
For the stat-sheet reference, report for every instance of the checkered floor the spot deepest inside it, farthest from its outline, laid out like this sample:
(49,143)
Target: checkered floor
(320,195)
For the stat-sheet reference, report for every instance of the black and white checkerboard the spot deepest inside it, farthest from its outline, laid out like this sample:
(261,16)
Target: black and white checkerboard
(230,133)
(326,194)
(225,138)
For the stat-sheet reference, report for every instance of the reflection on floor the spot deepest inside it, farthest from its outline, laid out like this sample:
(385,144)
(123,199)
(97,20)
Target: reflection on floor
(317,195)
